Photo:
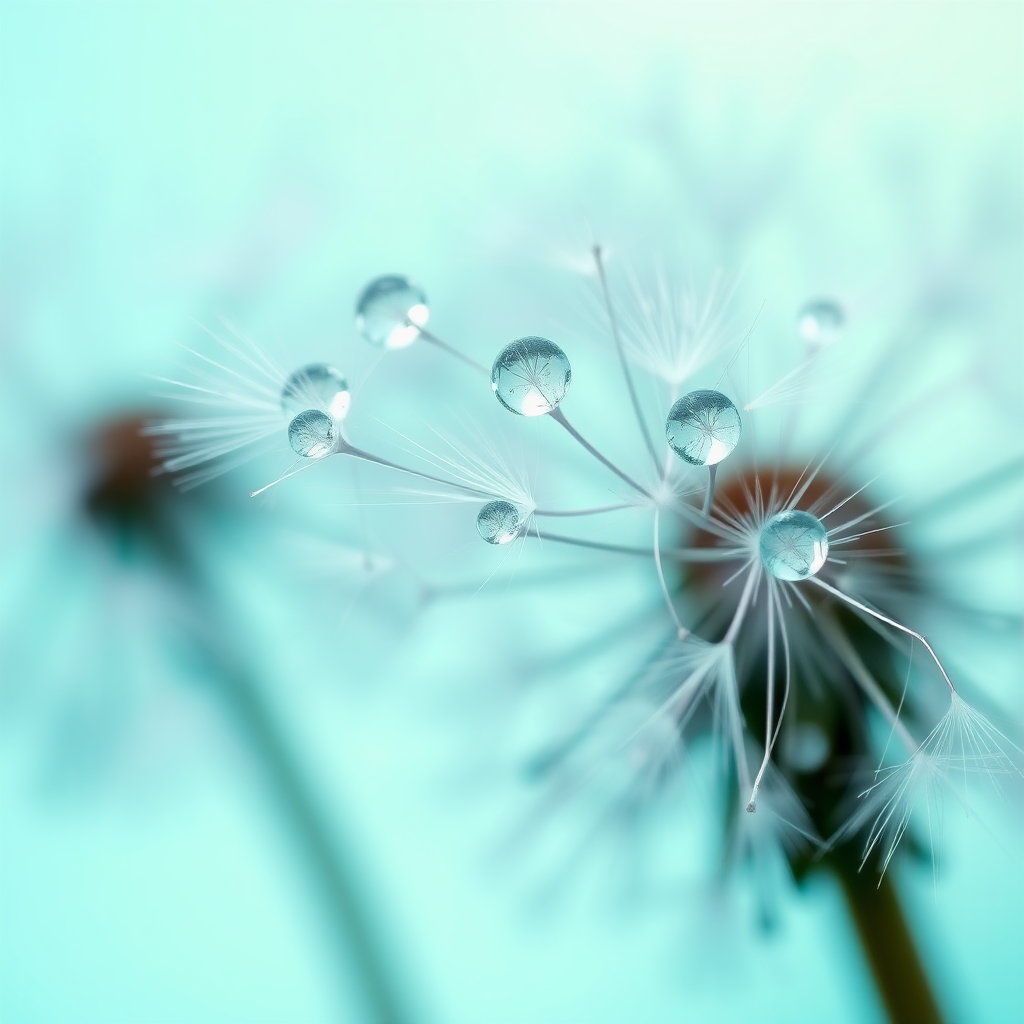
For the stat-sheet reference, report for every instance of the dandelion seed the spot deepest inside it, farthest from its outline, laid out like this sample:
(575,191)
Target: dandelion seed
(499,522)
(963,742)
(793,545)
(317,386)
(237,398)
(390,311)
(820,323)
(312,434)
(703,428)
(531,376)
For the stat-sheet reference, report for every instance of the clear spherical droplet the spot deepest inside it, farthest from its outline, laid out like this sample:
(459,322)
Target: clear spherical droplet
(311,434)
(391,311)
(531,376)
(821,322)
(317,386)
(794,545)
(499,522)
(703,427)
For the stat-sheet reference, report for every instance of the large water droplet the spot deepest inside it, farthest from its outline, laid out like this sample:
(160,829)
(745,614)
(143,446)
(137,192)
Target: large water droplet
(820,323)
(499,522)
(311,434)
(794,545)
(531,376)
(317,386)
(703,427)
(391,311)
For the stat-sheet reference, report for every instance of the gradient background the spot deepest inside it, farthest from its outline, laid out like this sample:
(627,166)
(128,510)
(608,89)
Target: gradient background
(162,163)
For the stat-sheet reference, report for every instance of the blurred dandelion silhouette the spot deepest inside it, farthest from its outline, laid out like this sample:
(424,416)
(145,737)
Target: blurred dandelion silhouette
(790,585)
(706,564)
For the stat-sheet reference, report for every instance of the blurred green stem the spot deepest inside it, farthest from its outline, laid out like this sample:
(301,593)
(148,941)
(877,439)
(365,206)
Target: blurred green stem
(887,942)
(323,854)
(144,518)
(359,946)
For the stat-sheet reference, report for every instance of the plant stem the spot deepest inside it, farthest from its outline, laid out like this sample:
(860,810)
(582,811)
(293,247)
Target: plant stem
(323,853)
(887,942)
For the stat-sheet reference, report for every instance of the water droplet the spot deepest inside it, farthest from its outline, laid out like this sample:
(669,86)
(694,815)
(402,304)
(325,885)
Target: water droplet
(807,747)
(821,322)
(311,434)
(499,522)
(391,311)
(317,386)
(531,376)
(703,427)
(794,545)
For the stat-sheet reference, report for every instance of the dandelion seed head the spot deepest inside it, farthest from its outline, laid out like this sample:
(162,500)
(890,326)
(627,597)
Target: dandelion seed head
(499,522)
(703,427)
(390,311)
(317,386)
(820,323)
(531,376)
(312,434)
(793,545)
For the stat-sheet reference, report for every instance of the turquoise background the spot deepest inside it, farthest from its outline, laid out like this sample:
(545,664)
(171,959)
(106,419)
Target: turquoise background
(164,163)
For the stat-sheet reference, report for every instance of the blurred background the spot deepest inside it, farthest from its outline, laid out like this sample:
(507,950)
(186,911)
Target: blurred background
(261,760)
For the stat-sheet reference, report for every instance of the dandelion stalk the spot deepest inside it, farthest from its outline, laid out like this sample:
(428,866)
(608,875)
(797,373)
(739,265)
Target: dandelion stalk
(143,515)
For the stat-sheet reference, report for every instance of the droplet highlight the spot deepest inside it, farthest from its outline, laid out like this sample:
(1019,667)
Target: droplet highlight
(703,427)
(317,386)
(312,434)
(531,376)
(820,323)
(391,311)
(499,522)
(794,545)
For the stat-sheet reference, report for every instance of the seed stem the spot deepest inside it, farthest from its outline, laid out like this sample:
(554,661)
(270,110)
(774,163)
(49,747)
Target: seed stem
(620,549)
(344,448)
(599,262)
(741,608)
(889,622)
(709,497)
(559,417)
(856,667)
(451,350)
(581,511)
(661,575)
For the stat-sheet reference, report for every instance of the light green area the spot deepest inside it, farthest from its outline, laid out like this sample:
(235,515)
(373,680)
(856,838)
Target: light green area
(162,163)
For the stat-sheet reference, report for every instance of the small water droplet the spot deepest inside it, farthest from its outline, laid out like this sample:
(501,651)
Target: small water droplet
(390,311)
(794,545)
(317,386)
(703,427)
(821,322)
(807,747)
(531,376)
(499,522)
(311,434)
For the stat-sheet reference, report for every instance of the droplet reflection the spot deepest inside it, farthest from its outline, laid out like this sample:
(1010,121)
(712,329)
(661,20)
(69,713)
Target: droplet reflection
(820,323)
(703,427)
(317,386)
(390,311)
(311,434)
(499,522)
(794,545)
(531,376)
